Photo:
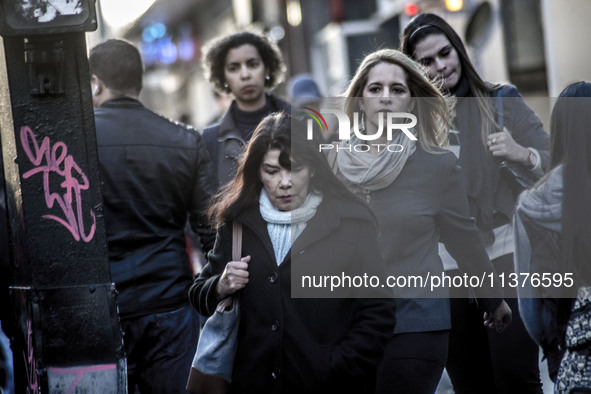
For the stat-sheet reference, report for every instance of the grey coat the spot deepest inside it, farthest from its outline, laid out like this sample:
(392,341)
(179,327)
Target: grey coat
(427,204)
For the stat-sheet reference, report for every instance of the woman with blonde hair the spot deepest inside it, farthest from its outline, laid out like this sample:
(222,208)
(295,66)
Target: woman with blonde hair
(417,193)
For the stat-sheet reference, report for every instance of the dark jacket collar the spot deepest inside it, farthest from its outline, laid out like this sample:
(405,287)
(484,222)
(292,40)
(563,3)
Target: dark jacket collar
(228,128)
(122,101)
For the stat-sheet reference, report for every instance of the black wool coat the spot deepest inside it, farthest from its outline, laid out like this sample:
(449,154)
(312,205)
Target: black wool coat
(311,345)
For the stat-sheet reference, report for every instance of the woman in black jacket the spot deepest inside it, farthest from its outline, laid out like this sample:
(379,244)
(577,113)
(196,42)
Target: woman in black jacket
(507,362)
(248,66)
(300,226)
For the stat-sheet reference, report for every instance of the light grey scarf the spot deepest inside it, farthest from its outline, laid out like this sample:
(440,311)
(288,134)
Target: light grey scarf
(285,226)
(372,172)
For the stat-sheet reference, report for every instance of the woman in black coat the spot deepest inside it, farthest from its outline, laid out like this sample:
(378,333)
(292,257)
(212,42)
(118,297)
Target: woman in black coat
(300,227)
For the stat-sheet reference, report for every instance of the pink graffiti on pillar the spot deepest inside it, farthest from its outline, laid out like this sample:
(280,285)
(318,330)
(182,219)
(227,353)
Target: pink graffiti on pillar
(30,364)
(74,181)
(80,372)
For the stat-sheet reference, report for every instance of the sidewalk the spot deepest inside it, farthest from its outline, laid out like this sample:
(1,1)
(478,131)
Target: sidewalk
(445,386)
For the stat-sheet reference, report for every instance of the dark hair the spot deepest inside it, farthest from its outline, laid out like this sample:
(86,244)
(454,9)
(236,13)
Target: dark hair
(215,52)
(570,126)
(424,25)
(276,131)
(570,116)
(118,64)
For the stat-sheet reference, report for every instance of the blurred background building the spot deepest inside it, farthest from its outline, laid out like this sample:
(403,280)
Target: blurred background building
(538,45)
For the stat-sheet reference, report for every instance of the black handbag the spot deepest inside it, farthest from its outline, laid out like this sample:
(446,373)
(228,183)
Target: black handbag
(518,177)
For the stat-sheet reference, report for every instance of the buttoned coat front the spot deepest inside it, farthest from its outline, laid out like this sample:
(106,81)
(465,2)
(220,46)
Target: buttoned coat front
(312,345)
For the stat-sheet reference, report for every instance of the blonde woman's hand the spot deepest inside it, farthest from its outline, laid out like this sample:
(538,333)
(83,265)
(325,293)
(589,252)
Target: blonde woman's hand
(500,318)
(502,144)
(234,277)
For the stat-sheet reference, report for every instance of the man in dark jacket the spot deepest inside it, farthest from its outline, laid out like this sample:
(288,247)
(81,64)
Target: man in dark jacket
(155,174)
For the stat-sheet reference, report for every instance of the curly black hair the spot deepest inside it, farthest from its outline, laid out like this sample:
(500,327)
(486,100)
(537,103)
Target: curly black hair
(215,52)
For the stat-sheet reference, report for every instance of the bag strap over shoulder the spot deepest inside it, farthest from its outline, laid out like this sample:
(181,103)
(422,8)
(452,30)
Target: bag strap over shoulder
(236,240)
(226,303)
(499,107)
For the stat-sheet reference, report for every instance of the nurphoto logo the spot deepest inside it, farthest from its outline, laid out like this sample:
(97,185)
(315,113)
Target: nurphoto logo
(402,121)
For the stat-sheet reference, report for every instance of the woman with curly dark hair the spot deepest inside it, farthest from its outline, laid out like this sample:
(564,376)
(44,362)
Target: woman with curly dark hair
(246,65)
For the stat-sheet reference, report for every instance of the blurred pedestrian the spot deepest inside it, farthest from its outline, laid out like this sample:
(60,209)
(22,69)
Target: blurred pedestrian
(155,173)
(304,94)
(222,103)
(247,65)
(507,362)
(553,236)
(296,216)
(417,193)
(302,90)
(6,318)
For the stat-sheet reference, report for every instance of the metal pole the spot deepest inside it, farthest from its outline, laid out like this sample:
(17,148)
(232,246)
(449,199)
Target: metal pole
(67,335)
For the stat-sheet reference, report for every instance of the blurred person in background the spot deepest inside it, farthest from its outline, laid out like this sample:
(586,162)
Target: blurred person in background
(222,102)
(553,236)
(6,320)
(246,65)
(304,94)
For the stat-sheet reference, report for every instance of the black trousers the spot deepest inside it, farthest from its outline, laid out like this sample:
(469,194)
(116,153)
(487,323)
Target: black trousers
(160,349)
(413,363)
(482,361)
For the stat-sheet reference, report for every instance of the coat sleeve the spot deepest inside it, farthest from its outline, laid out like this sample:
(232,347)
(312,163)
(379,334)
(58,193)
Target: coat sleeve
(459,234)
(525,126)
(204,186)
(202,293)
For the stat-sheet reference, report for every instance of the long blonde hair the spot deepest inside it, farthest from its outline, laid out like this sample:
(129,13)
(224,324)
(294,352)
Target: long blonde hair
(432,109)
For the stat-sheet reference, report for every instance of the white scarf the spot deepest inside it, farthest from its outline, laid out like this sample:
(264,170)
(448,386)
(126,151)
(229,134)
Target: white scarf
(372,172)
(285,226)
